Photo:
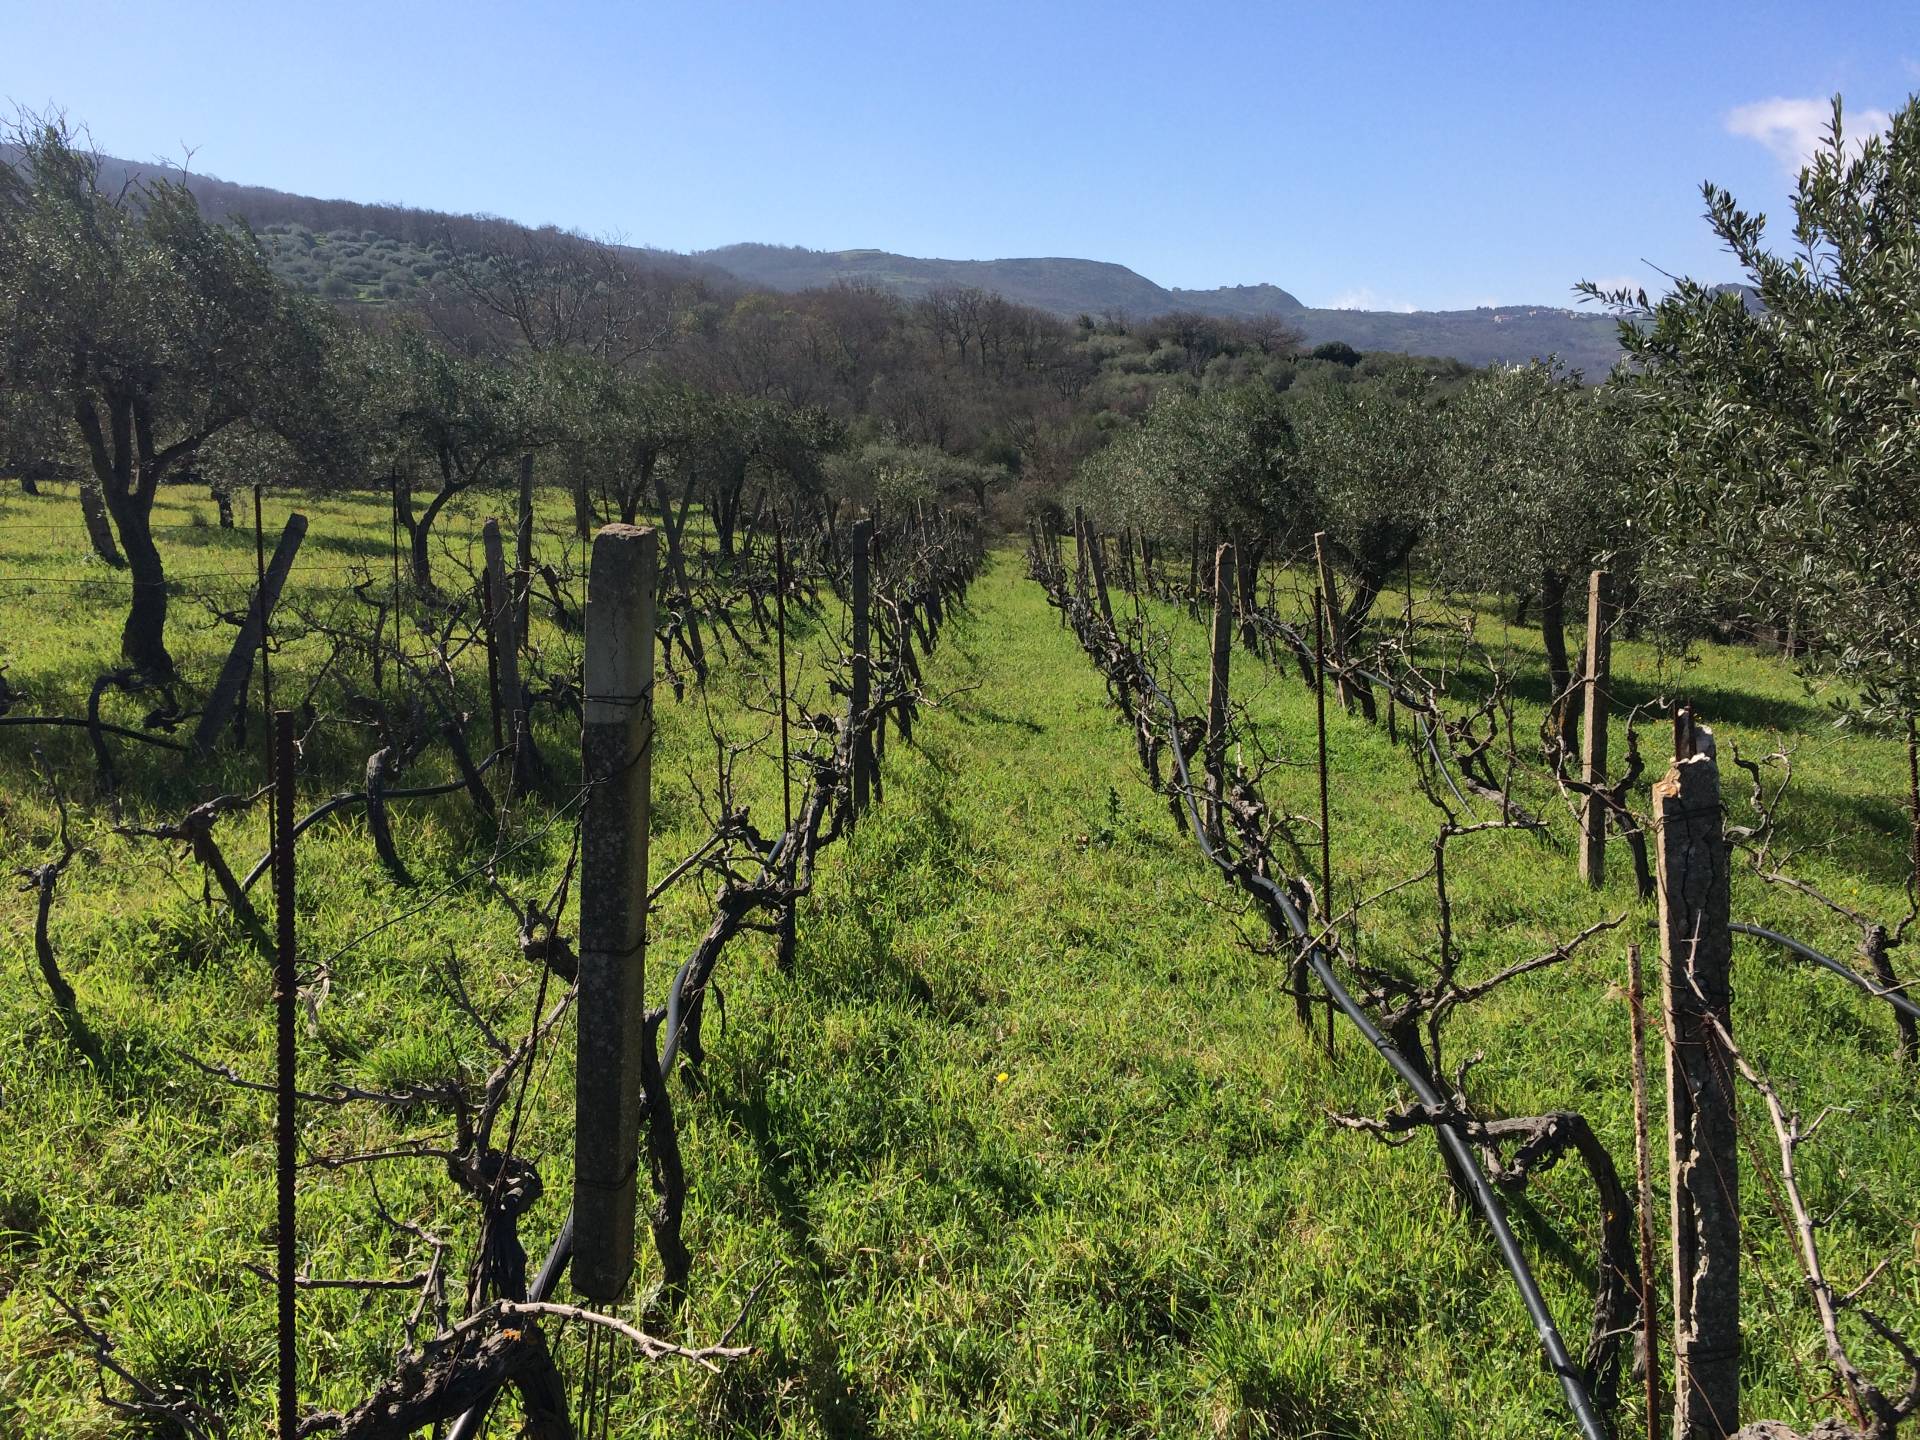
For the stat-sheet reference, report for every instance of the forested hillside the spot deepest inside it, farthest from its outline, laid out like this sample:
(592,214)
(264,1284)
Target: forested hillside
(369,252)
(1585,341)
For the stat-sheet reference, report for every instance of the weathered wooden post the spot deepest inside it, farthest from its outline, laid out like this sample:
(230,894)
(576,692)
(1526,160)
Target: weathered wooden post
(1593,772)
(1097,553)
(1696,956)
(523,551)
(1336,639)
(616,744)
(677,558)
(1216,743)
(1080,551)
(862,660)
(231,688)
(506,648)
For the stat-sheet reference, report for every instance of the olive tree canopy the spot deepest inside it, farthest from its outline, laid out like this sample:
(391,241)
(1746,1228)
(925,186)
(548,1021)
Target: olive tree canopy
(1780,427)
(151,330)
(1534,494)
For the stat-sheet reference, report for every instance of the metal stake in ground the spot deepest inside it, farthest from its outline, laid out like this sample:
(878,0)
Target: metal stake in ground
(1593,772)
(1696,955)
(862,661)
(788,937)
(286,984)
(1326,827)
(1643,1166)
(616,764)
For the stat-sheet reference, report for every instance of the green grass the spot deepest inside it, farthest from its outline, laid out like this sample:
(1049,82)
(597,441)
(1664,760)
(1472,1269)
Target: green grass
(1028,1143)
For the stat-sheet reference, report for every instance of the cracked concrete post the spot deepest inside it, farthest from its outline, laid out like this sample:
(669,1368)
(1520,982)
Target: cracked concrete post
(1696,955)
(616,761)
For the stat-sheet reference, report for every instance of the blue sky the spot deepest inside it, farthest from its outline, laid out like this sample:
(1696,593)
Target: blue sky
(1370,152)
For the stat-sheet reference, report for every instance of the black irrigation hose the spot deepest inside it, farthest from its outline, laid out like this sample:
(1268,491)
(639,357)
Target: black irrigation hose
(1845,972)
(359,797)
(1573,1381)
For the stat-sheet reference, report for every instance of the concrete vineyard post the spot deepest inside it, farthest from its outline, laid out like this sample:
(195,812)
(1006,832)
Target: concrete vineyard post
(1696,956)
(231,688)
(1593,770)
(616,742)
(1216,742)
(862,661)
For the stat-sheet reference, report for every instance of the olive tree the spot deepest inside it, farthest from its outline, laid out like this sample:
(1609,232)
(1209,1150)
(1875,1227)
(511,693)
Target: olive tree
(1534,493)
(461,421)
(1224,459)
(151,330)
(624,431)
(763,441)
(1368,475)
(1779,425)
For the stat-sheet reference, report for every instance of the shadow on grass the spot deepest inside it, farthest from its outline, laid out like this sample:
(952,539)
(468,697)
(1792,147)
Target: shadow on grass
(839,1409)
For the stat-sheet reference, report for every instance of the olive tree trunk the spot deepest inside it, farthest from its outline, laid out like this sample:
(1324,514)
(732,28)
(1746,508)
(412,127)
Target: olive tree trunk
(1553,633)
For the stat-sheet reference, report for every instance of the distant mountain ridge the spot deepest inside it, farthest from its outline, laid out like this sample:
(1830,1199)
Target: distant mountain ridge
(1063,285)
(1066,286)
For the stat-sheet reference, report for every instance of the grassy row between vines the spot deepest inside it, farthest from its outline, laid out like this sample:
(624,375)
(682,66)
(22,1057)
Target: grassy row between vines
(1028,1142)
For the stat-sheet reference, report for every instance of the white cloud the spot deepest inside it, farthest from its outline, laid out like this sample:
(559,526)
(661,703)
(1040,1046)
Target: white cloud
(1365,297)
(1794,129)
(1611,283)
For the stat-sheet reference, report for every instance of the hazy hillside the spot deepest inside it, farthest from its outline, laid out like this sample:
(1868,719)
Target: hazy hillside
(1065,286)
(351,250)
